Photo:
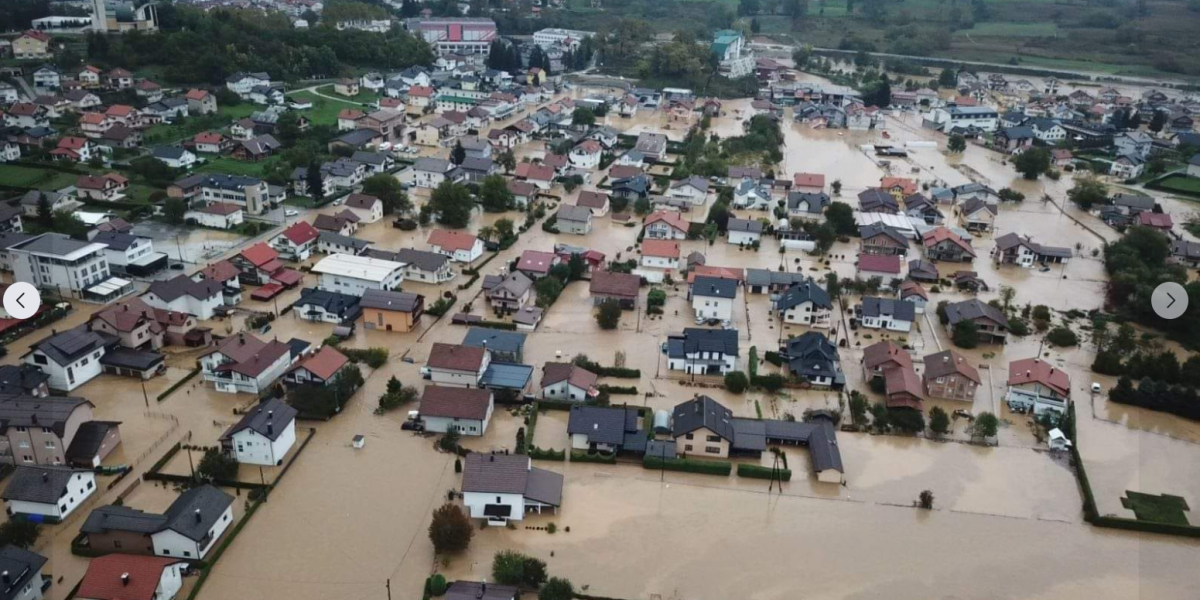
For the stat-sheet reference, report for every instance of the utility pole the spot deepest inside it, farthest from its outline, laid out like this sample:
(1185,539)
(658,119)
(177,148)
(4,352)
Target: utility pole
(389,588)
(144,395)
(263,479)
(190,465)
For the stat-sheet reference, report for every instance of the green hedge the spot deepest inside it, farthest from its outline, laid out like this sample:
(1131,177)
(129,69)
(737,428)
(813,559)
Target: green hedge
(597,457)
(547,454)
(374,357)
(761,472)
(620,373)
(687,465)
(495,325)
(619,389)
(773,358)
(544,404)
(178,384)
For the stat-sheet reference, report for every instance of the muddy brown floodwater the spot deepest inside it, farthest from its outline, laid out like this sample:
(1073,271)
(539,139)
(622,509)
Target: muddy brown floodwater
(1006,524)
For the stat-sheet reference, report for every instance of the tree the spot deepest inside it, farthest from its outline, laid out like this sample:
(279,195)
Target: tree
(314,183)
(907,420)
(948,78)
(45,215)
(1007,294)
(840,217)
(1062,337)
(801,55)
(749,7)
(486,233)
(458,154)
(986,425)
(925,500)
(216,465)
(1088,192)
(608,315)
(957,144)
(449,440)
(939,421)
(1158,121)
(1032,163)
(452,203)
(548,290)
(754,26)
(494,194)
(583,116)
(1010,195)
(504,229)
(387,188)
(576,267)
(513,568)
(836,186)
(879,416)
(966,334)
(450,530)
(858,407)
(557,588)
(736,382)
(19,531)
(508,160)
(642,206)
(174,209)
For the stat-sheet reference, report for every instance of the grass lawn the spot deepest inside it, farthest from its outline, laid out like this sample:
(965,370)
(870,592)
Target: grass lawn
(301,201)
(1158,509)
(363,97)
(139,192)
(224,117)
(324,110)
(1180,183)
(32,177)
(1011,29)
(224,164)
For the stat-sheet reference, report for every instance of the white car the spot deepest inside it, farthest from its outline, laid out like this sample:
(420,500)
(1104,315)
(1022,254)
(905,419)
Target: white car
(291,213)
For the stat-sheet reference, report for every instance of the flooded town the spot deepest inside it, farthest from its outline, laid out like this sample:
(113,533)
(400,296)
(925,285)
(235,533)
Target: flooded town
(457,328)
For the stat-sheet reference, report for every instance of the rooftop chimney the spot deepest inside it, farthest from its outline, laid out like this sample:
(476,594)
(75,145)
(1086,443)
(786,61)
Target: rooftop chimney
(124,578)
(45,477)
(945,359)
(197,515)
(270,429)
(6,578)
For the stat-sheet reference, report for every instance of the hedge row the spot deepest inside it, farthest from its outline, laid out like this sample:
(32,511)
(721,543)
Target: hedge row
(178,384)
(548,454)
(619,389)
(761,472)
(495,325)
(556,404)
(620,372)
(374,357)
(596,457)
(773,358)
(705,467)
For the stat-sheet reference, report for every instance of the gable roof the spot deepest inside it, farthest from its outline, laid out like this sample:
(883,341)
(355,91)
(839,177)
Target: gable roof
(389,300)
(900,309)
(455,402)
(714,287)
(974,309)
(452,240)
(66,347)
(883,352)
(937,235)
(194,513)
(456,357)
(39,485)
(496,340)
(602,424)
(674,219)
(124,577)
(555,372)
(879,263)
(324,363)
(269,419)
(948,362)
(592,199)
(702,411)
(301,232)
(745,225)
(879,228)
(608,283)
(660,248)
(578,214)
(799,293)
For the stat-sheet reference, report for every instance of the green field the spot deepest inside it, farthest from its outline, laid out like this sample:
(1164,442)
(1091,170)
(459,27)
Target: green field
(1180,183)
(1158,509)
(225,164)
(324,110)
(31,177)
(1011,29)
(190,126)
(363,97)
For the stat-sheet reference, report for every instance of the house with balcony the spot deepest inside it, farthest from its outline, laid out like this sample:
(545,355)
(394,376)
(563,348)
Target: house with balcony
(991,323)
(242,363)
(1036,385)
(805,303)
(703,351)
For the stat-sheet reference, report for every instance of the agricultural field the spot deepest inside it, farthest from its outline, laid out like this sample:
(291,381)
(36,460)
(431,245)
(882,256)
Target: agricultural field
(224,164)
(178,131)
(324,110)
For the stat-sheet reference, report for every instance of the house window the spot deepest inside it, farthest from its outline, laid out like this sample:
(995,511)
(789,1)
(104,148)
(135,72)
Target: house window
(712,449)
(49,444)
(713,438)
(688,447)
(497,499)
(89,485)
(116,543)
(689,436)
(186,553)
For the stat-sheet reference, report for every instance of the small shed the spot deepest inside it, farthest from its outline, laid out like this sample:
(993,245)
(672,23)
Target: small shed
(664,449)
(360,441)
(662,422)
(1058,440)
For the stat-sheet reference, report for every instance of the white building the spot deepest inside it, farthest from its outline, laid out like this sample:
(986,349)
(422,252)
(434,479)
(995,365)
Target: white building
(193,527)
(46,492)
(354,275)
(55,261)
(243,363)
(465,410)
(504,487)
(565,381)
(70,358)
(458,245)
(566,38)
(264,434)
(703,351)
(182,294)
(218,215)
(457,365)
(730,48)
(471,38)
(982,117)
(805,304)
(714,297)
(888,313)
(243,83)
(744,232)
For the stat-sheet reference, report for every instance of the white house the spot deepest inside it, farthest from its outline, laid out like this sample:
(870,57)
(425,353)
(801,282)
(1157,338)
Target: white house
(128,253)
(368,209)
(194,523)
(458,245)
(665,225)
(182,294)
(243,363)
(565,381)
(694,189)
(713,298)
(465,410)
(175,157)
(888,313)
(132,577)
(55,261)
(218,215)
(658,258)
(457,365)
(242,83)
(500,488)
(264,434)
(744,232)
(354,275)
(574,219)
(1127,166)
(752,196)
(703,351)
(805,303)
(586,155)
(70,358)
(1036,385)
(26,569)
(47,493)
(430,172)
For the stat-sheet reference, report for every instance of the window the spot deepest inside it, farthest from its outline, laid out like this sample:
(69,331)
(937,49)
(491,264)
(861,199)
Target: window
(186,553)
(49,444)
(24,444)
(712,449)
(497,499)
(90,485)
(166,551)
(713,438)
(116,543)
(63,508)
(688,447)
(689,436)
(941,380)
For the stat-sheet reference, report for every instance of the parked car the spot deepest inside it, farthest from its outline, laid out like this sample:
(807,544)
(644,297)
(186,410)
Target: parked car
(287,212)
(426,373)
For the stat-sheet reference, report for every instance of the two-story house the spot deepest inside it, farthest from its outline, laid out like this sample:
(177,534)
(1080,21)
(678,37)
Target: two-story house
(805,303)
(703,351)
(949,375)
(1036,385)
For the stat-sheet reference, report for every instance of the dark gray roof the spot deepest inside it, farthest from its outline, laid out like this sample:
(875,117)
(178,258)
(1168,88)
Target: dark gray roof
(714,287)
(922,269)
(67,347)
(116,240)
(346,305)
(357,138)
(602,424)
(973,309)
(1017,133)
(769,277)
(129,358)
(122,518)
(511,474)
(816,201)
(434,165)
(974,204)
(54,243)
(425,261)
(1137,201)
(337,239)
(875,198)
(747,225)
(496,340)
(27,411)
(702,411)
(182,284)
(9,239)
(899,309)
(42,485)
(699,340)
(812,355)
(799,293)
(388,300)
(370,158)
(478,164)
(473,590)
(570,212)
(21,379)
(32,197)
(88,439)
(22,565)
(269,419)
(194,513)
(168,152)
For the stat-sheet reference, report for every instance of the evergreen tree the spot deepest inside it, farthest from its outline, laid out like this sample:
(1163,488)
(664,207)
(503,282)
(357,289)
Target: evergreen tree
(1158,122)
(312,180)
(459,154)
(45,216)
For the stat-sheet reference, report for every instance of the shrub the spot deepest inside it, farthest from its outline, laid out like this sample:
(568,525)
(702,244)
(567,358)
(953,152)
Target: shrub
(1041,312)
(442,306)
(925,500)
(594,457)
(704,467)
(986,425)
(761,472)
(608,315)
(736,382)
(374,357)
(218,465)
(1062,337)
(907,420)
(773,358)
(939,421)
(1018,327)
(656,297)
(557,588)
(437,584)
(19,531)
(449,441)
(619,390)
(548,454)
(772,382)
(966,334)
(450,530)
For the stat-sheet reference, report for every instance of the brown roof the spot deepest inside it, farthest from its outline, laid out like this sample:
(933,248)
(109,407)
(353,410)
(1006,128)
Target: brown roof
(363,201)
(607,283)
(671,218)
(624,172)
(949,362)
(124,577)
(238,347)
(221,271)
(884,352)
(522,188)
(324,363)
(451,240)
(1033,370)
(941,234)
(455,357)
(257,364)
(661,248)
(900,383)
(592,199)
(809,180)
(455,402)
(579,377)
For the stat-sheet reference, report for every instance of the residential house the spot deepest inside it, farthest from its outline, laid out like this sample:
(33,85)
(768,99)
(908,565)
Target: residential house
(1127,166)
(392,311)
(323,306)
(501,488)
(507,294)
(201,102)
(878,200)
(431,172)
(608,285)
(815,358)
(902,389)
(426,267)
(744,232)
(26,581)
(925,209)
(884,266)
(34,44)
(70,358)
(574,219)
(74,267)
(881,357)
(899,187)
(633,188)
(458,245)
(1014,140)
(466,411)
(105,188)
(336,243)
(880,239)
(1160,221)
(257,148)
(565,381)
(242,363)
(596,202)
(1134,143)
(1185,253)
(188,529)
(923,270)
(1013,249)
(131,577)
(537,264)
(888,313)
(1036,385)
(211,142)
(948,375)
(36,429)
(805,303)
(368,209)
(694,189)
(47,493)
(659,257)
(344,222)
(26,115)
(603,428)
(991,323)
(703,351)
(174,156)
(218,215)
(267,431)
(137,325)
(74,149)
(128,254)
(297,242)
(714,297)
(753,196)
(942,244)
(540,175)
(348,274)
(181,294)
(665,225)
(809,206)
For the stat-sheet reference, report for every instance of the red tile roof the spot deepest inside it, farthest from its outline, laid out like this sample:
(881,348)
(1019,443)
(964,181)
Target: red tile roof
(452,240)
(809,180)
(453,402)
(906,185)
(259,254)
(301,232)
(1033,370)
(119,110)
(715,271)
(220,208)
(324,363)
(37,35)
(660,248)
(607,283)
(536,261)
(103,580)
(221,271)
(420,91)
(592,199)
(883,352)
(535,172)
(938,235)
(455,357)
(879,263)
(1157,220)
(196,95)
(209,137)
(673,219)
